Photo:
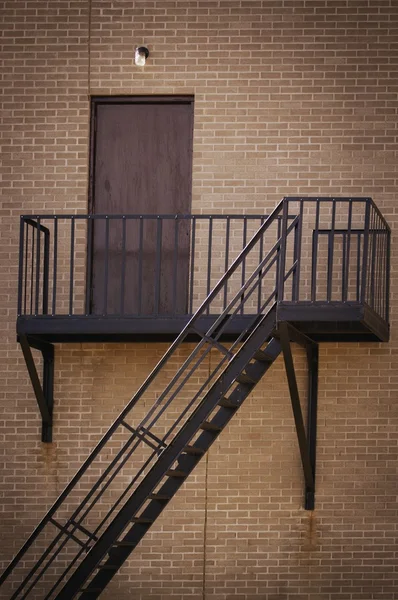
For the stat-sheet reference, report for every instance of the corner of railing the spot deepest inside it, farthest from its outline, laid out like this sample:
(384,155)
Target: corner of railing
(20,264)
(46,269)
(372,203)
(281,261)
(388,275)
(364,279)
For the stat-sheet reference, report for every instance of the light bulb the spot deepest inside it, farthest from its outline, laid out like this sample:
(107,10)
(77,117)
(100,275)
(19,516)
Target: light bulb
(140,56)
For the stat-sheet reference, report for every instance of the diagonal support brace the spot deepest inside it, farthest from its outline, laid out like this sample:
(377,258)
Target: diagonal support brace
(44,392)
(307,441)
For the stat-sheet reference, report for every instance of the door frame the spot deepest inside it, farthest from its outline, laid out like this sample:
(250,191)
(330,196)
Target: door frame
(96,101)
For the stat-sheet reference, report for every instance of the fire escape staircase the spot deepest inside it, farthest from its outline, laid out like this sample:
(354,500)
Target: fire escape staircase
(139,464)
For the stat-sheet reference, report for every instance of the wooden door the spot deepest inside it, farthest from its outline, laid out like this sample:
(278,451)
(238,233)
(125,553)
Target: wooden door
(142,165)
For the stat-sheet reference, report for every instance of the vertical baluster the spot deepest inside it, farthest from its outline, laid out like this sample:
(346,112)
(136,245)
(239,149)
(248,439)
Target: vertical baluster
(387,273)
(140,263)
(46,270)
(260,258)
(55,267)
(37,292)
(382,267)
(209,257)
(364,269)
(278,253)
(359,273)
(315,236)
(106,266)
(244,242)
(72,264)
(297,254)
(192,269)
(379,238)
(123,268)
(227,237)
(175,258)
(343,264)
(32,269)
(384,271)
(329,284)
(89,265)
(346,255)
(282,257)
(20,264)
(372,265)
(26,269)
(158,264)
(375,256)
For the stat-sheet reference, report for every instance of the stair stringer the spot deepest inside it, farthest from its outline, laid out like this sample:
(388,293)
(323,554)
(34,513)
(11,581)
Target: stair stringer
(110,537)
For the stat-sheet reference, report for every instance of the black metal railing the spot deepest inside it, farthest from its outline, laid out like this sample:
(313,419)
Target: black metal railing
(104,483)
(165,265)
(128,265)
(343,247)
(325,250)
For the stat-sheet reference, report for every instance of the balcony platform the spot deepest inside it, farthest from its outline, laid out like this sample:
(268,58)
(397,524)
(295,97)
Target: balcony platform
(335,321)
(138,278)
(321,321)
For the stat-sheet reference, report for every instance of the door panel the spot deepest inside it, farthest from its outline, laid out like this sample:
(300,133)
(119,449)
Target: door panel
(142,166)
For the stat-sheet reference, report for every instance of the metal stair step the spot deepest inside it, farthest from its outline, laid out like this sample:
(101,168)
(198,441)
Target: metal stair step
(263,356)
(171,469)
(244,378)
(141,520)
(176,473)
(159,497)
(194,450)
(126,544)
(225,403)
(207,426)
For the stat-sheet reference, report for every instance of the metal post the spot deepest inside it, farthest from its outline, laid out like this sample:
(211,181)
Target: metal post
(315,236)
(209,260)
(387,275)
(365,252)
(313,366)
(21,262)
(89,265)
(46,270)
(158,266)
(48,390)
(331,236)
(283,330)
(39,393)
(37,286)
(55,259)
(282,256)
(298,229)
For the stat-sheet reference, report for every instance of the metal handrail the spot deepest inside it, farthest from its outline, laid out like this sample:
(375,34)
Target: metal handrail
(65,243)
(240,297)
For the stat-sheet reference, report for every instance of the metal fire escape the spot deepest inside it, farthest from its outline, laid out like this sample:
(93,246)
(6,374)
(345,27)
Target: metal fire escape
(316,269)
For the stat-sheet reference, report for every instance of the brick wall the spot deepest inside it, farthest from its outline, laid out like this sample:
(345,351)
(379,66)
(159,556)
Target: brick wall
(291,97)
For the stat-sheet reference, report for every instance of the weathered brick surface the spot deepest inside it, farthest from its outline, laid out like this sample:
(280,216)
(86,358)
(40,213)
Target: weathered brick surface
(291,97)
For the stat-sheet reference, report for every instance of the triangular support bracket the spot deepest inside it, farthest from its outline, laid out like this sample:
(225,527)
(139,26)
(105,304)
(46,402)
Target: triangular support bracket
(44,391)
(306,436)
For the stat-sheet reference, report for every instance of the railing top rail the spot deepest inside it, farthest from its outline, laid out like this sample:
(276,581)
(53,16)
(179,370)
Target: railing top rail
(170,216)
(36,224)
(207,216)
(335,199)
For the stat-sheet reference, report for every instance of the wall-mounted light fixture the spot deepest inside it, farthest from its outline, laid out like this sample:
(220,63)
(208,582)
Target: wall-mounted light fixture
(141,54)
